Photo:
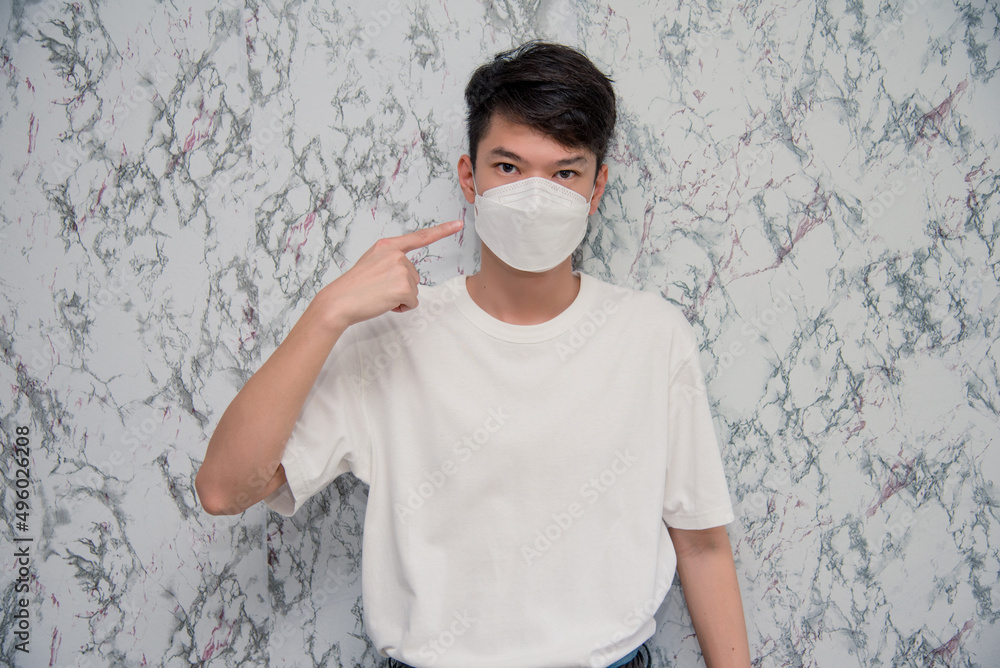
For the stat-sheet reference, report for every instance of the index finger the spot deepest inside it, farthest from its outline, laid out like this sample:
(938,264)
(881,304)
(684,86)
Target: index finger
(426,236)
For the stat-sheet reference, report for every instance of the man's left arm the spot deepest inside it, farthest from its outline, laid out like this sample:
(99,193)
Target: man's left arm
(708,577)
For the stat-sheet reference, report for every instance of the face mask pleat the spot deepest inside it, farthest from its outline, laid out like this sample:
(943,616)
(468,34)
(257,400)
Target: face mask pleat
(532,224)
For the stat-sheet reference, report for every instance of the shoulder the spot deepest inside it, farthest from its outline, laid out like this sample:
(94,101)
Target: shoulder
(644,311)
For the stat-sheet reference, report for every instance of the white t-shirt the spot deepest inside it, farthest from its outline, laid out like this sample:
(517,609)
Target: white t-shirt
(521,477)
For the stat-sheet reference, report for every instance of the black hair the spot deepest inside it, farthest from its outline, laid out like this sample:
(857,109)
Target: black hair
(552,88)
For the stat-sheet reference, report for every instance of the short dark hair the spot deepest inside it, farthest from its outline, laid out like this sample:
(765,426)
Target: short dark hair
(552,88)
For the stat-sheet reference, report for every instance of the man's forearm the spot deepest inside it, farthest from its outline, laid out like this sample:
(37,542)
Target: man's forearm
(245,450)
(708,576)
(241,464)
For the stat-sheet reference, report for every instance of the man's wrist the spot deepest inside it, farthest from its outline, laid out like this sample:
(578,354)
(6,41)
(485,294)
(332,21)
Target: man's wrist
(328,312)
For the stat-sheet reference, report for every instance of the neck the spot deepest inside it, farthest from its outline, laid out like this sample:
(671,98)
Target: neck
(521,297)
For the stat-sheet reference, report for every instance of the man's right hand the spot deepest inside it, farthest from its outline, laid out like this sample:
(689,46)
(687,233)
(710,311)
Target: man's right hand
(383,279)
(243,461)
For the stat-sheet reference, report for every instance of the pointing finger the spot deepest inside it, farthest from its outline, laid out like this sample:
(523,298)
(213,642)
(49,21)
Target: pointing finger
(426,236)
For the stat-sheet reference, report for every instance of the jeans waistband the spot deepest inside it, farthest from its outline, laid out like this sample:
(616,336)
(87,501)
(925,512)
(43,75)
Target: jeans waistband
(624,661)
(627,659)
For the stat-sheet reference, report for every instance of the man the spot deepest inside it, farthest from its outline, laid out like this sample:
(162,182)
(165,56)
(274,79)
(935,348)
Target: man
(537,443)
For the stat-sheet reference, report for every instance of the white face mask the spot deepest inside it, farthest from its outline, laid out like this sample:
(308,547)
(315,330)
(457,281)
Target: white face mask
(532,224)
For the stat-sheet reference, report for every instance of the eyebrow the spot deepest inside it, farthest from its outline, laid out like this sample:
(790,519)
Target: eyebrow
(501,152)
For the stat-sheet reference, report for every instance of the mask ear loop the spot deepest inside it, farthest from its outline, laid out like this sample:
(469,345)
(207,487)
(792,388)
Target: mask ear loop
(591,198)
(475,189)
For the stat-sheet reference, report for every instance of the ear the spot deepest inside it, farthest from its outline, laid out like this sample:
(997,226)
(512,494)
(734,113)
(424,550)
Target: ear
(602,180)
(465,179)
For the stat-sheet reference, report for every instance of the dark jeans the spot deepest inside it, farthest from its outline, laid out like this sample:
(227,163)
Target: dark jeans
(642,660)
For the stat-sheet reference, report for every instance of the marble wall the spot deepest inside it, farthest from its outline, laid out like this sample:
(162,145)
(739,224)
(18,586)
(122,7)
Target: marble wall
(815,182)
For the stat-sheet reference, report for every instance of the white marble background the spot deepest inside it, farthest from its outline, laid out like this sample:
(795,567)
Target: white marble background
(815,182)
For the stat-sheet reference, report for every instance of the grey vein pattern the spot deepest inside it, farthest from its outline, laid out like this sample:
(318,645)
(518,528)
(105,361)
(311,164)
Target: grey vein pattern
(814,183)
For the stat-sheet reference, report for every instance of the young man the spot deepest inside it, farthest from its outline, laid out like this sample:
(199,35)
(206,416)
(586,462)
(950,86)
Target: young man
(537,443)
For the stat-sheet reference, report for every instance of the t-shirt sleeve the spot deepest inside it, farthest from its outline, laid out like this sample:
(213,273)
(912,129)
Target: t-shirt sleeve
(697,496)
(330,437)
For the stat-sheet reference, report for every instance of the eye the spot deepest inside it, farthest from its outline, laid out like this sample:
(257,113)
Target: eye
(507,168)
(566,173)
